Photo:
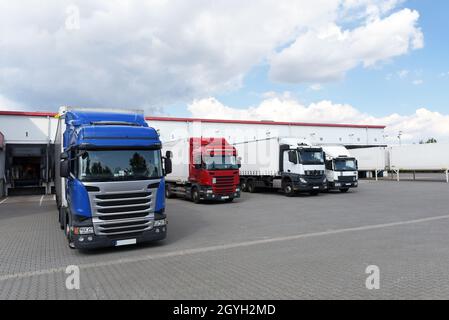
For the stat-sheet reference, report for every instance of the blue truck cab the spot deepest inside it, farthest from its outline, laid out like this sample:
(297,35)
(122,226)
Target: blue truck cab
(109,178)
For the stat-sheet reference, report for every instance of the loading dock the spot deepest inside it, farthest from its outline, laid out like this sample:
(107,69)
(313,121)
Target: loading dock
(27,169)
(34,132)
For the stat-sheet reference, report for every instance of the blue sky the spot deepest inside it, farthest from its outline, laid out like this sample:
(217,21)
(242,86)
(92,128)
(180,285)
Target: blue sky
(378,90)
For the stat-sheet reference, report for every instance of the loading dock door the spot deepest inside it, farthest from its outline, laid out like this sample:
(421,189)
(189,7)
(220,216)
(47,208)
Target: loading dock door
(26,166)
(26,171)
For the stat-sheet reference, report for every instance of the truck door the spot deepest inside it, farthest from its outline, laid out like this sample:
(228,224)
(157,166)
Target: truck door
(291,161)
(330,170)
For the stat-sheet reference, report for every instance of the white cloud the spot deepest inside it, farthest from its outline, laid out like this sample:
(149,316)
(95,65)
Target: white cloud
(326,54)
(403,74)
(420,125)
(316,87)
(418,82)
(155,52)
(8,105)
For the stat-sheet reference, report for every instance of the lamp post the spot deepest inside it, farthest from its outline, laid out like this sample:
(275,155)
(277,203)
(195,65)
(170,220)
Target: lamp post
(399,137)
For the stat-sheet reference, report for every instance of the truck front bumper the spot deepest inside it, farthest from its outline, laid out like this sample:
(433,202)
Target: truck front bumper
(208,195)
(310,187)
(93,241)
(335,185)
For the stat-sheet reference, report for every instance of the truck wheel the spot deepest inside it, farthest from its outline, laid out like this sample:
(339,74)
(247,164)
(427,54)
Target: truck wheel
(68,234)
(288,189)
(61,217)
(251,186)
(196,195)
(168,193)
(244,185)
(344,190)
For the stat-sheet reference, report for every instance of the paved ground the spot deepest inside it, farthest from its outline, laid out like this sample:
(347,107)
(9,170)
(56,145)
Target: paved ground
(263,246)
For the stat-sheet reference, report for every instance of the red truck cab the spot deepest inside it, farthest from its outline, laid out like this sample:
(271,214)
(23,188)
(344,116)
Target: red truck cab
(214,169)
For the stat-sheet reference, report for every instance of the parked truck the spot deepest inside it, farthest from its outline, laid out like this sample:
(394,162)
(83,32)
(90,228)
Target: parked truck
(341,169)
(203,169)
(109,178)
(290,164)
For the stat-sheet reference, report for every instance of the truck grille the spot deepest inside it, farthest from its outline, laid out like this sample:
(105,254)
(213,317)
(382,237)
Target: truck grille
(346,179)
(224,185)
(123,213)
(314,173)
(315,180)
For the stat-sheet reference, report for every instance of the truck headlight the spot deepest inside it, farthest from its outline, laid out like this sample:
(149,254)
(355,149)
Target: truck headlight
(160,223)
(303,180)
(209,191)
(325,180)
(237,189)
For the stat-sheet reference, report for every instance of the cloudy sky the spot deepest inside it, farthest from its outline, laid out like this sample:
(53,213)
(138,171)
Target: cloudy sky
(342,61)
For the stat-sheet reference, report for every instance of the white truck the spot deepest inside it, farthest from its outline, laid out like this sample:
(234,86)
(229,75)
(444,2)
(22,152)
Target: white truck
(290,164)
(341,169)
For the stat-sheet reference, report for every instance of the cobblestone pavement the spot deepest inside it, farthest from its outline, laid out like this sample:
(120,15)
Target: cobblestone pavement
(263,246)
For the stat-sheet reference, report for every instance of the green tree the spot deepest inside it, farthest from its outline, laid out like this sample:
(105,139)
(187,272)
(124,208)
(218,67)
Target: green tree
(429,141)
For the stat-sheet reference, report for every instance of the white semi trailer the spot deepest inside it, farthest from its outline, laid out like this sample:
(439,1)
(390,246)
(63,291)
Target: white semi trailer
(290,164)
(341,169)
(420,157)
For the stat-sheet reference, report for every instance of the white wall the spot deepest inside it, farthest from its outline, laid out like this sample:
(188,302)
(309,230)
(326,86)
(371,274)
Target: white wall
(22,129)
(36,130)
(171,130)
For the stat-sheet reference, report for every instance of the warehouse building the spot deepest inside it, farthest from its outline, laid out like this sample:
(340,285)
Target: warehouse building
(27,138)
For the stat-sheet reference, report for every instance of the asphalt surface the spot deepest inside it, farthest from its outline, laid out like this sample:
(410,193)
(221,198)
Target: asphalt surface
(263,246)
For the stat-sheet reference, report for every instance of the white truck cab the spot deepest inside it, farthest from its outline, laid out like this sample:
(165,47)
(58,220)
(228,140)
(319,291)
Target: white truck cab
(341,168)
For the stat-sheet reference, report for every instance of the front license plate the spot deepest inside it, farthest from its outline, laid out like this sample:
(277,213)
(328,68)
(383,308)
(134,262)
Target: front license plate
(316,187)
(348,184)
(127,242)
(225,198)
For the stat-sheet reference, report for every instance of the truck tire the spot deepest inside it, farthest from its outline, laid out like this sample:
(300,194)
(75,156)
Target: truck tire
(251,186)
(244,185)
(168,193)
(61,215)
(344,190)
(195,195)
(288,189)
(67,232)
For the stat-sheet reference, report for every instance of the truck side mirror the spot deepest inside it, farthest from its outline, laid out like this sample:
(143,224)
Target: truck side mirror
(64,155)
(197,166)
(64,169)
(239,162)
(168,165)
(169,154)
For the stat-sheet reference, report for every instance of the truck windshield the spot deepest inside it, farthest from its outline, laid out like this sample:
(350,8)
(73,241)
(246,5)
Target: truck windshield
(119,165)
(219,162)
(345,165)
(311,157)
